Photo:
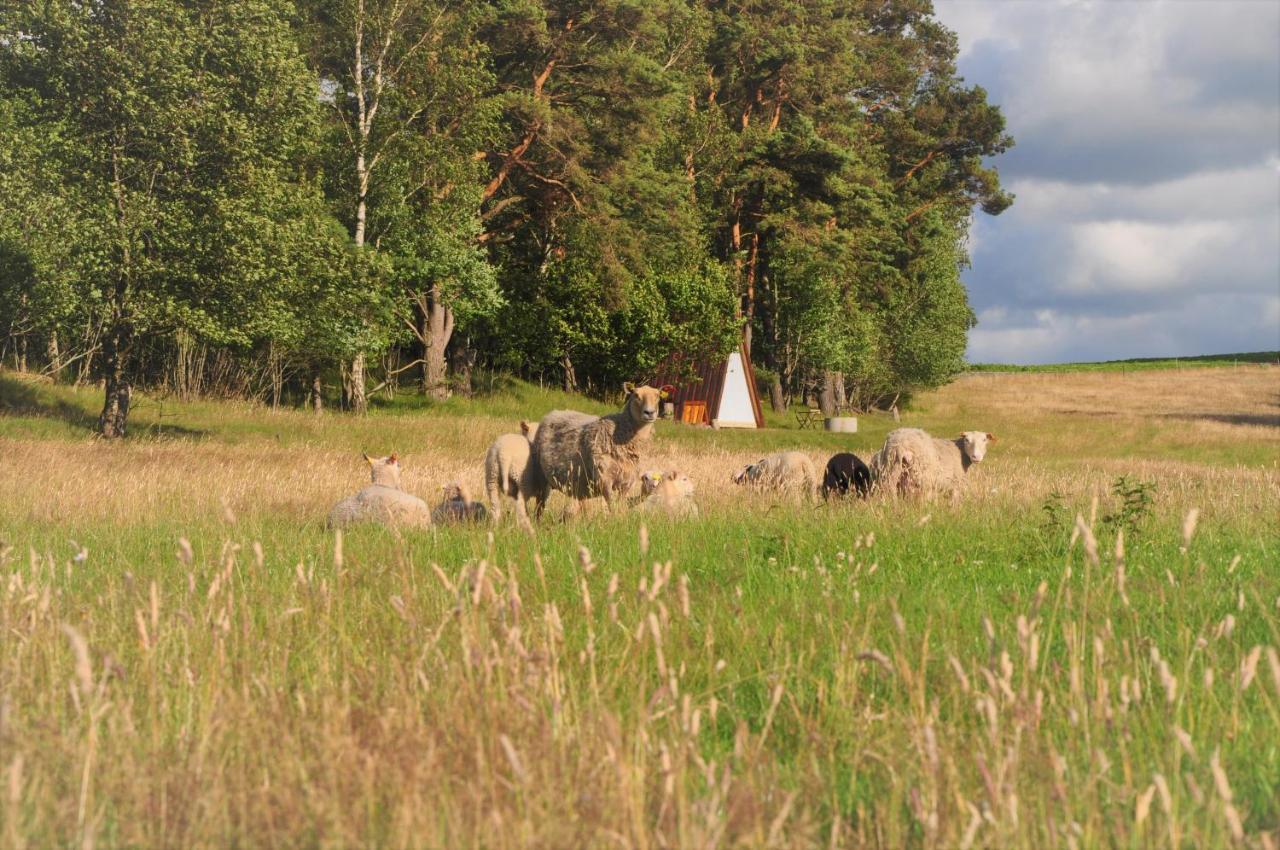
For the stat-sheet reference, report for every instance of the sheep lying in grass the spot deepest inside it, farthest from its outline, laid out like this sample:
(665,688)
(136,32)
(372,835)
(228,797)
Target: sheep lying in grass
(457,507)
(585,456)
(507,470)
(668,492)
(787,471)
(845,472)
(912,462)
(382,501)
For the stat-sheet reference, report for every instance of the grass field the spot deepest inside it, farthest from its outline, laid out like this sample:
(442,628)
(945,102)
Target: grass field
(1139,363)
(189,659)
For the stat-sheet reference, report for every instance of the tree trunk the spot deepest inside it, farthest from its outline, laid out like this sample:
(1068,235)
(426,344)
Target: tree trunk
(317,391)
(776,400)
(114,420)
(462,359)
(55,356)
(749,294)
(842,399)
(827,398)
(437,330)
(357,398)
(570,376)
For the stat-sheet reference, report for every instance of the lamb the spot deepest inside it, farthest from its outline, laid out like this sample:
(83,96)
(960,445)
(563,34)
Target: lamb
(457,507)
(845,471)
(668,492)
(912,462)
(586,456)
(507,470)
(382,501)
(792,471)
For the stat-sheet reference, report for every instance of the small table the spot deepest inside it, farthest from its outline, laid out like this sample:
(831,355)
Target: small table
(809,418)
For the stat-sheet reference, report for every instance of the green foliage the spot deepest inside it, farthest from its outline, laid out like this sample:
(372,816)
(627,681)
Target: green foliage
(1136,499)
(1056,515)
(583,189)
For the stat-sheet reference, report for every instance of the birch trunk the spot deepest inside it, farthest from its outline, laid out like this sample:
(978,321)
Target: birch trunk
(114,419)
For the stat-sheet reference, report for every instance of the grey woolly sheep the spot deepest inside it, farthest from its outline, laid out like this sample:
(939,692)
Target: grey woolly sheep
(668,492)
(790,471)
(457,507)
(586,456)
(508,471)
(912,462)
(382,501)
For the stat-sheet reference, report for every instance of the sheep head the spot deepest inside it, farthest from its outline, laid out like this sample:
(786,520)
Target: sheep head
(974,444)
(642,403)
(649,482)
(384,470)
(677,483)
(455,493)
(744,474)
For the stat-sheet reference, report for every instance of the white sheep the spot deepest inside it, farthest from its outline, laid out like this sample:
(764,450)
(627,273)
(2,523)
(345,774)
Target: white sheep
(382,501)
(668,492)
(914,463)
(586,456)
(457,506)
(788,471)
(508,471)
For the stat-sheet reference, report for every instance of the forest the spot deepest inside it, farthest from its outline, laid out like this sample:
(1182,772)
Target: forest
(328,202)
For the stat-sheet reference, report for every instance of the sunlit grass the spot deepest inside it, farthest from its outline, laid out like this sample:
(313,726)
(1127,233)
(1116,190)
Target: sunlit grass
(190,659)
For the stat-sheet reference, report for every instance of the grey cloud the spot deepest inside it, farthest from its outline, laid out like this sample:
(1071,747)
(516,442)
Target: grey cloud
(1147,172)
(1127,92)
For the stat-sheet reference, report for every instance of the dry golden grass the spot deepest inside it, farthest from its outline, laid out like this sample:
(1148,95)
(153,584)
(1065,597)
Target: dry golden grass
(205,666)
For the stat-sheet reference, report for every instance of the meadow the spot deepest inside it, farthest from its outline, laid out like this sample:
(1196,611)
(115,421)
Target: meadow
(1082,652)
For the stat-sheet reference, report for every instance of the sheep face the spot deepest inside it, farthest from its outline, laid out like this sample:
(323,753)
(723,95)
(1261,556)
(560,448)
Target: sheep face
(682,484)
(643,403)
(677,483)
(384,470)
(744,474)
(974,444)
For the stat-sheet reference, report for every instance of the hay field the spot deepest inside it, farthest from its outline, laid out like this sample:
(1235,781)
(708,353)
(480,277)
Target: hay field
(190,660)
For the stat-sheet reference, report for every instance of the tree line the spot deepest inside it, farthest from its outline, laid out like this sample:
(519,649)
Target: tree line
(310,201)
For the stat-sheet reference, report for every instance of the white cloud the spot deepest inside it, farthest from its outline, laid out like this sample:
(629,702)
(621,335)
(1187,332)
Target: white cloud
(1200,326)
(1147,175)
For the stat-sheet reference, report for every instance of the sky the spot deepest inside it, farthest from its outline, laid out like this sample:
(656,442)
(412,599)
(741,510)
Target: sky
(1147,176)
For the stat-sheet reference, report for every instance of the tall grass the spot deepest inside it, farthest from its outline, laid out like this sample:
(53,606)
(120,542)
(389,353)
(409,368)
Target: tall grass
(190,660)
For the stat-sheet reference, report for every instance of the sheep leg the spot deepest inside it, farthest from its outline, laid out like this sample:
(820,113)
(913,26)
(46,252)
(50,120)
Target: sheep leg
(495,500)
(522,513)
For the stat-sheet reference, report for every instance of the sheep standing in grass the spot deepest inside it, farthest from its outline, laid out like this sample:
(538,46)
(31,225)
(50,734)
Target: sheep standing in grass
(508,471)
(586,456)
(788,471)
(846,471)
(669,492)
(457,507)
(912,462)
(382,501)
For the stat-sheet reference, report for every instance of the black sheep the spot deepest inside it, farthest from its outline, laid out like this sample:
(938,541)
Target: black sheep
(845,470)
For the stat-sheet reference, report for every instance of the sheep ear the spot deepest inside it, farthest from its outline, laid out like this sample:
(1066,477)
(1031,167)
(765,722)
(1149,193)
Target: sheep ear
(393,459)
(524,426)
(666,391)
(628,388)
(367,459)
(991,438)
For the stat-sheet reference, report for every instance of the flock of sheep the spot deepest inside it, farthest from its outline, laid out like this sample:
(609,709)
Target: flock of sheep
(585,456)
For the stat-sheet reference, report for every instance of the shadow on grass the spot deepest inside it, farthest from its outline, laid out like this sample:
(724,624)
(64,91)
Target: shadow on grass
(19,397)
(28,397)
(1263,419)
